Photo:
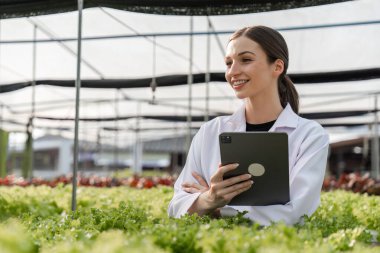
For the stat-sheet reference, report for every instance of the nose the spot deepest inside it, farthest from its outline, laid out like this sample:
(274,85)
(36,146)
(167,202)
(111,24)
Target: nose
(233,70)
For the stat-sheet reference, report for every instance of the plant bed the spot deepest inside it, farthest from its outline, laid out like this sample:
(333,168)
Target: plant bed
(124,219)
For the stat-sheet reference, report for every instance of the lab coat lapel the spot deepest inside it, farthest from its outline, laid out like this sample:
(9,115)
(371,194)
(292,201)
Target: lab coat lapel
(286,120)
(236,122)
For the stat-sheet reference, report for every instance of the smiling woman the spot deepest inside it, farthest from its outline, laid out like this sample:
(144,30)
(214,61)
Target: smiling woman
(257,61)
(260,55)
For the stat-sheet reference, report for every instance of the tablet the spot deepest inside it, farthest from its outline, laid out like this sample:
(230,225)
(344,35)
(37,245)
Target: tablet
(264,155)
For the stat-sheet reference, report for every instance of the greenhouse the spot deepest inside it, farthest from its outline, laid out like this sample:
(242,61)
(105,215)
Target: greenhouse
(103,104)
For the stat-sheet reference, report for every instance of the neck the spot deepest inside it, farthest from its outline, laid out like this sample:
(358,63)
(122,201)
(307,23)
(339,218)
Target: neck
(261,110)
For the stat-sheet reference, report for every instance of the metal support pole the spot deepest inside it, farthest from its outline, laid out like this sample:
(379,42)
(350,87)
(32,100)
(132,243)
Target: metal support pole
(221,47)
(189,83)
(207,77)
(138,148)
(33,98)
(153,84)
(375,144)
(1,115)
(116,149)
(1,104)
(77,96)
(99,142)
(0,50)
(1,136)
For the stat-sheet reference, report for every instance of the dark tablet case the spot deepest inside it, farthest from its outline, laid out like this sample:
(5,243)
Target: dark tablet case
(269,149)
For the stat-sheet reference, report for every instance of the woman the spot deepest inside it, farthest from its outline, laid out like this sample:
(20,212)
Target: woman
(257,61)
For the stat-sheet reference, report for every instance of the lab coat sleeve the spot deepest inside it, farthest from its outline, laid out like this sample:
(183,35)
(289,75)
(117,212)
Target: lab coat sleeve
(182,200)
(305,181)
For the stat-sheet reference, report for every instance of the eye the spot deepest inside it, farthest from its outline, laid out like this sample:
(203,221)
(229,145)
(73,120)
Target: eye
(228,63)
(246,60)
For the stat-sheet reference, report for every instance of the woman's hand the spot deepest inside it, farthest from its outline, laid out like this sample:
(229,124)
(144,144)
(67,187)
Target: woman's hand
(202,185)
(220,191)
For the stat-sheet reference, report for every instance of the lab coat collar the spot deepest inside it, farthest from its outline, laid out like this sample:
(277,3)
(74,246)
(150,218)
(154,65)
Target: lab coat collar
(237,119)
(287,119)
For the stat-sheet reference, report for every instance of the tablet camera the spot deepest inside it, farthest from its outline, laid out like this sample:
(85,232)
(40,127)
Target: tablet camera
(226,139)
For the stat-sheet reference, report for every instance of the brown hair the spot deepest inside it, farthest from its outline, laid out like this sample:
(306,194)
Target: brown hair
(275,47)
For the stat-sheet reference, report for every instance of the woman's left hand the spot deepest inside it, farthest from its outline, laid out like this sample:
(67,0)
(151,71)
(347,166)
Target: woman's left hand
(202,185)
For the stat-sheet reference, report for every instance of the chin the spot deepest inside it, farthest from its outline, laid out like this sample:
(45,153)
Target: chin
(240,95)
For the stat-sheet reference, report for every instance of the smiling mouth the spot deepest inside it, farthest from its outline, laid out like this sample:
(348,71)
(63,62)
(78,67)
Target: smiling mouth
(239,83)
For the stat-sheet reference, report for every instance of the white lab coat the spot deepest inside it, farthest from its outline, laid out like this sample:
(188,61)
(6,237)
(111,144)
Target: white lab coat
(308,148)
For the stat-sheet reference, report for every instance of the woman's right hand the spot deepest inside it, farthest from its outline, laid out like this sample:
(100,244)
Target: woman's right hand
(221,191)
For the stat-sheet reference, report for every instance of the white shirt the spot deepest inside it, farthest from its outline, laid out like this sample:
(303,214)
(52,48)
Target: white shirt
(308,148)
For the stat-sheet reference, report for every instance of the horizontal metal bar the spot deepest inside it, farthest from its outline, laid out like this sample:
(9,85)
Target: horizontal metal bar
(128,36)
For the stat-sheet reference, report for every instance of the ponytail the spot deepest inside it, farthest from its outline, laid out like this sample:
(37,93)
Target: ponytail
(288,93)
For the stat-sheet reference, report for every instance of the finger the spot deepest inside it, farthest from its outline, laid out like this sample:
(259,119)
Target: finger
(190,190)
(231,181)
(234,180)
(235,193)
(218,176)
(192,185)
(199,178)
(235,188)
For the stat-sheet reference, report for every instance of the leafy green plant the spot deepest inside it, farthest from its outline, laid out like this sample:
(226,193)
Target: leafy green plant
(123,219)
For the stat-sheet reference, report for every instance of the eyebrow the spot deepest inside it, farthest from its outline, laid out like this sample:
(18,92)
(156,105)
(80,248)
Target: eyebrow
(241,53)
(246,52)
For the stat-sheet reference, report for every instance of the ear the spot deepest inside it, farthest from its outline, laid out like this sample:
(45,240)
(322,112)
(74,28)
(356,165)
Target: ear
(278,67)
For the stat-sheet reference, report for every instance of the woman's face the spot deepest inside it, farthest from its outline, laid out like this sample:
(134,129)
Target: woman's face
(248,71)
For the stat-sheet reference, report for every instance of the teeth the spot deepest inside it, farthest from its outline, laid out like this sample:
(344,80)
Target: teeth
(236,83)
